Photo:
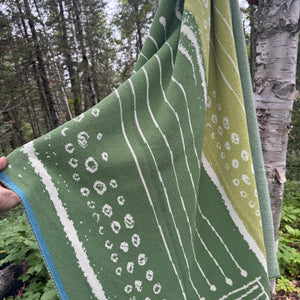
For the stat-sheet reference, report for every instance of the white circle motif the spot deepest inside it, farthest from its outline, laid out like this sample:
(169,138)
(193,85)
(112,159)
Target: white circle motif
(95,112)
(107,210)
(220,130)
(82,138)
(138,285)
(257,213)
(235,138)
(91,204)
(214,119)
(119,271)
(128,289)
(124,247)
(251,204)
(227,166)
(69,148)
(114,257)
(121,200)
(246,179)
(157,288)
(235,163)
(130,267)
(113,184)
(99,187)
(91,165)
(245,155)
(129,221)
(226,124)
(243,194)
(76,177)
(135,239)
(222,155)
(105,156)
(149,275)
(84,191)
(116,227)
(236,181)
(73,163)
(227,146)
(99,136)
(79,118)
(142,259)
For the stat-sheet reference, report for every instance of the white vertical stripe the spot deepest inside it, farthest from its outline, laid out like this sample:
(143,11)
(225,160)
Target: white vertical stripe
(212,287)
(186,54)
(225,21)
(189,118)
(228,55)
(154,41)
(172,55)
(68,225)
(148,193)
(234,216)
(227,280)
(162,181)
(188,32)
(224,78)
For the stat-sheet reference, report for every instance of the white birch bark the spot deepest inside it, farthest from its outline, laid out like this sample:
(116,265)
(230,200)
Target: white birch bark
(277,24)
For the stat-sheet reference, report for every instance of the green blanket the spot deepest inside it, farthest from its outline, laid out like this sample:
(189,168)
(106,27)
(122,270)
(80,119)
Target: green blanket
(158,192)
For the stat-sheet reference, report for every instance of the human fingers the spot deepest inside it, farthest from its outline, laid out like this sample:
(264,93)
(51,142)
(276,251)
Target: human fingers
(8,199)
(3,162)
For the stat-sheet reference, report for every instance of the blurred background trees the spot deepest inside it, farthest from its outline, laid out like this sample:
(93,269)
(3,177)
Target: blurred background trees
(60,57)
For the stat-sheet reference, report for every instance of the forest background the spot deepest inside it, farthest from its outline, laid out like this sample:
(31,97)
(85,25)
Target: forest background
(58,58)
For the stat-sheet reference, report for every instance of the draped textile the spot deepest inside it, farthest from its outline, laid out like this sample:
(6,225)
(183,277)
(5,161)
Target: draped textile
(158,191)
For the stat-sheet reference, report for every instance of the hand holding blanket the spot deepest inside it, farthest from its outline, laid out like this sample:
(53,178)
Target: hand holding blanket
(158,192)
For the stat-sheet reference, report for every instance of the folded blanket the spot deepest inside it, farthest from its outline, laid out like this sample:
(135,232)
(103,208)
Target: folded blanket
(152,193)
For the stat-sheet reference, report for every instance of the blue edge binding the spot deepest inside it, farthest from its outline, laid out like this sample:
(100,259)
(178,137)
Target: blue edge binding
(38,234)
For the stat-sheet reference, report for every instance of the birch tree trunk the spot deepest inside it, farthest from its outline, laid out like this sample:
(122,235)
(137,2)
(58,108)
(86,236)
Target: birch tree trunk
(277,24)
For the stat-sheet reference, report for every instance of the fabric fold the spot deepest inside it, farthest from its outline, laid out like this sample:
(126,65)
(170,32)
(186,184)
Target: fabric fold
(152,193)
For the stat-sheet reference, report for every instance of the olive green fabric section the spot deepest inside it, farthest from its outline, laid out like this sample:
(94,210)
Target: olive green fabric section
(202,13)
(226,144)
(261,182)
(151,194)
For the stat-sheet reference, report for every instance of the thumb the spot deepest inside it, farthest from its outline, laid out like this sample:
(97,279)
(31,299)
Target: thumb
(3,162)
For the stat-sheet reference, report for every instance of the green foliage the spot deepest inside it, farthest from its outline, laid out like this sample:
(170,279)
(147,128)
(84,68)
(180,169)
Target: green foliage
(289,239)
(286,285)
(293,154)
(19,245)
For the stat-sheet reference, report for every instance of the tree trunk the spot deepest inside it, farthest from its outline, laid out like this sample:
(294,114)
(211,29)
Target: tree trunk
(62,96)
(45,110)
(274,89)
(252,42)
(42,67)
(87,83)
(65,49)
